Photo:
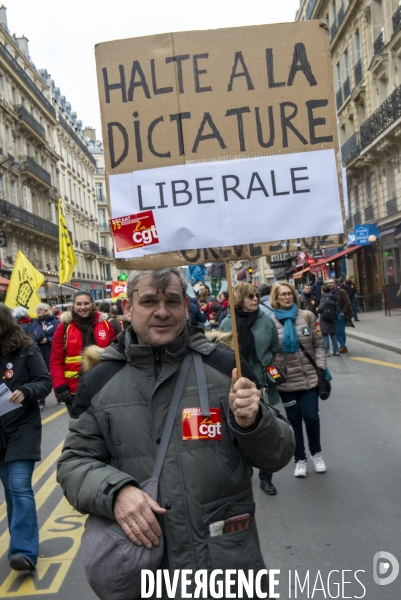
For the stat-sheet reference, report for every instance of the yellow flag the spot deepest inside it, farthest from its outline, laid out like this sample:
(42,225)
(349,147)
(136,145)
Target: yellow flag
(68,260)
(24,284)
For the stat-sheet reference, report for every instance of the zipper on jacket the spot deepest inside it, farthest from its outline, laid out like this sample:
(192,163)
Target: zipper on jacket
(158,362)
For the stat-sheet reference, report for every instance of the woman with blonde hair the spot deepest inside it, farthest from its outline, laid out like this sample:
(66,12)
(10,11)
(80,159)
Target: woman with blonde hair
(44,328)
(299,394)
(258,342)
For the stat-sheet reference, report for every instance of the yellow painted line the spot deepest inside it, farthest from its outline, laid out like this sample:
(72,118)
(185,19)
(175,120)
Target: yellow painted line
(38,473)
(57,414)
(63,524)
(43,494)
(376,362)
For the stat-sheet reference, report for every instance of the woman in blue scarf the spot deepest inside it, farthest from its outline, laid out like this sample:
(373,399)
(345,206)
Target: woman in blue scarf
(299,393)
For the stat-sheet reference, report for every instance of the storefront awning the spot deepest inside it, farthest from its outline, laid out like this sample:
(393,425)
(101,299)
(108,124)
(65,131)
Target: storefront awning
(320,266)
(299,274)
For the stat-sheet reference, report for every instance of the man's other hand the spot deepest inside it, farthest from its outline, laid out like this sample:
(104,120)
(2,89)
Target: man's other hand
(244,400)
(134,511)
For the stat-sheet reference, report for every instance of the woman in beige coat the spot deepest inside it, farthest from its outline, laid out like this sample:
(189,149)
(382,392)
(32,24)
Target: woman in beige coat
(299,393)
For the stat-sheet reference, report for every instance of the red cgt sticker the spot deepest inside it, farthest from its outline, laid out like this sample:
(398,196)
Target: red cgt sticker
(134,231)
(197,427)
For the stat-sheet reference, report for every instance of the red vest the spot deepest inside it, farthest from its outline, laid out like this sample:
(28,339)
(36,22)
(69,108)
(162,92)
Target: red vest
(73,348)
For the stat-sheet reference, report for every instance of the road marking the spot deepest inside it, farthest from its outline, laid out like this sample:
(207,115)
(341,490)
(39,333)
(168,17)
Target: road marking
(63,527)
(37,474)
(43,494)
(376,362)
(57,414)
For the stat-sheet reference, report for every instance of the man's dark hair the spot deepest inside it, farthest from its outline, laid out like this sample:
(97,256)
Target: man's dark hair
(104,307)
(326,289)
(264,290)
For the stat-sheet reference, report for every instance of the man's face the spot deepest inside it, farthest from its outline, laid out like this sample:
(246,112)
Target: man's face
(307,289)
(157,318)
(202,289)
(83,306)
(348,278)
(54,309)
(331,284)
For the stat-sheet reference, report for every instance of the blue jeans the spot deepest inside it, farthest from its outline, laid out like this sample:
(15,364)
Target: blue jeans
(334,342)
(341,335)
(303,406)
(354,309)
(16,476)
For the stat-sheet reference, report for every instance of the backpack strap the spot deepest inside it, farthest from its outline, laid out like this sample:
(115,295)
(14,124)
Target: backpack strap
(307,318)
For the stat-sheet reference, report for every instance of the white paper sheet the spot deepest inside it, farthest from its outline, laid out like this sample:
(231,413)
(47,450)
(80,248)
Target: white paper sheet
(5,405)
(231,202)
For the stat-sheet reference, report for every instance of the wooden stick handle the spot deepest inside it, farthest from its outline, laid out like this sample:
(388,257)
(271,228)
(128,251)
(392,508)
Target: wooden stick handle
(233,321)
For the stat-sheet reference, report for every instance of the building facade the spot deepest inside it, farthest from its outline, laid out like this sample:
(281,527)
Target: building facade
(110,272)
(44,155)
(365,44)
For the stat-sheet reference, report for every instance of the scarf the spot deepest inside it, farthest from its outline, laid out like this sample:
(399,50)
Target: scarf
(85,326)
(290,343)
(246,340)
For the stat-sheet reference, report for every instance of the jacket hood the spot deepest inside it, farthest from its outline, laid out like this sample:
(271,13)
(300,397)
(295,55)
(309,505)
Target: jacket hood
(91,356)
(66,317)
(221,337)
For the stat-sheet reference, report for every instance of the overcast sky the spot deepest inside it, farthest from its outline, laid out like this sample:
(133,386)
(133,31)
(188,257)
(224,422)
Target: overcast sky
(62,36)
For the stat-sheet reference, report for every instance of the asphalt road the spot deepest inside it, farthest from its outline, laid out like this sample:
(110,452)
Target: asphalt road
(318,531)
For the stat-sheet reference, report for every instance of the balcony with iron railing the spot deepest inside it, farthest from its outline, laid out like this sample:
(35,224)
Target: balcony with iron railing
(17,70)
(357,218)
(106,253)
(350,224)
(347,88)
(27,219)
(104,226)
(91,249)
(396,18)
(369,213)
(99,171)
(379,43)
(351,148)
(30,123)
(358,72)
(339,99)
(391,206)
(100,197)
(383,117)
(31,168)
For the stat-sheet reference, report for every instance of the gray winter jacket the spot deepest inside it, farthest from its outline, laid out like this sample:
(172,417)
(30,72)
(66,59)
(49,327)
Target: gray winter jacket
(121,405)
(300,373)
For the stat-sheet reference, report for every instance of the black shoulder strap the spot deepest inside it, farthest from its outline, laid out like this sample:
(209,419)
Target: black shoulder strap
(308,356)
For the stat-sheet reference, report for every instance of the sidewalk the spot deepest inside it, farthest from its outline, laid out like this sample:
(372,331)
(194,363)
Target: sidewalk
(377,329)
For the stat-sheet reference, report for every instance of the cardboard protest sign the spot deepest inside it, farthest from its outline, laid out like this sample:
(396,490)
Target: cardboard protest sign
(220,140)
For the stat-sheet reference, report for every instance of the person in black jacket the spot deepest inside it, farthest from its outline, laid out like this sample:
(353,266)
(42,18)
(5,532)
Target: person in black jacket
(350,288)
(44,328)
(317,289)
(26,376)
(306,300)
(196,316)
(328,323)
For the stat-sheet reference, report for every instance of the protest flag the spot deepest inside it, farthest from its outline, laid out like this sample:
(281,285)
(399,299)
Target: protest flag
(67,260)
(24,284)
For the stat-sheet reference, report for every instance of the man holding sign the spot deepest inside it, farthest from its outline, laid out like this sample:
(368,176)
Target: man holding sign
(221,429)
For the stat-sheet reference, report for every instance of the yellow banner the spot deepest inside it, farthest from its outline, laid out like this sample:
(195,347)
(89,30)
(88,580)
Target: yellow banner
(68,260)
(24,284)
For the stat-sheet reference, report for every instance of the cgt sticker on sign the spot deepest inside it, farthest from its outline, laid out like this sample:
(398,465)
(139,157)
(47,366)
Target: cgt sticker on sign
(134,231)
(197,427)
